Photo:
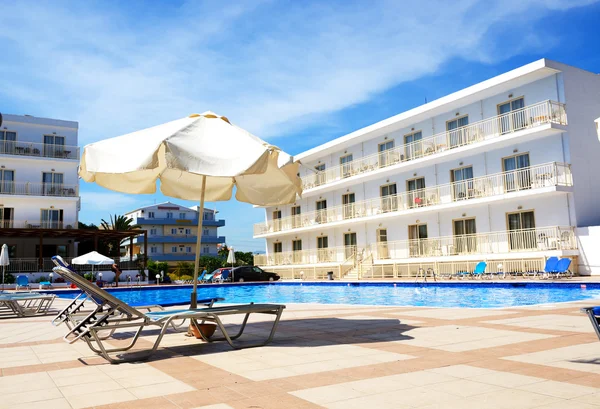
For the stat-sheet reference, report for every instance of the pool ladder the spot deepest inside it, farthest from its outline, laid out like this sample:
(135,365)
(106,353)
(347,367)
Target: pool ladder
(423,274)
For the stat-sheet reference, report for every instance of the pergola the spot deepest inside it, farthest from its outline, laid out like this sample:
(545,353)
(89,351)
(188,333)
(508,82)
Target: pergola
(78,234)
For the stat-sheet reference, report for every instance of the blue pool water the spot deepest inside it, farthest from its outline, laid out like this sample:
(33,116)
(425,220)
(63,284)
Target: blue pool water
(470,295)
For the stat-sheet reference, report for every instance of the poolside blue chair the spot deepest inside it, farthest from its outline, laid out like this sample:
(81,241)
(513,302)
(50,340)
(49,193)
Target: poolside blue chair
(224,276)
(208,278)
(23,281)
(201,278)
(562,268)
(479,271)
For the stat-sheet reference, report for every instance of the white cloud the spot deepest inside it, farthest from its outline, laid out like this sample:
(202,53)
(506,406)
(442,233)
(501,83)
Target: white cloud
(269,67)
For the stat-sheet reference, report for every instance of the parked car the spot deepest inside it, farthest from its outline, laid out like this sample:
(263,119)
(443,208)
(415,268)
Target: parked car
(253,273)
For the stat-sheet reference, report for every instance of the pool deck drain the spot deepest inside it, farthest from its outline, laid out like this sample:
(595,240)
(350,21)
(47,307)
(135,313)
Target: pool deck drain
(325,356)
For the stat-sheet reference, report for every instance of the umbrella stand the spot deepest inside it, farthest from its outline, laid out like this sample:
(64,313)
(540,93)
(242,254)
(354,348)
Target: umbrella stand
(194,295)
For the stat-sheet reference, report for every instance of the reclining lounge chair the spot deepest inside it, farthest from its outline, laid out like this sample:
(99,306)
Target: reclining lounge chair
(113,314)
(26,304)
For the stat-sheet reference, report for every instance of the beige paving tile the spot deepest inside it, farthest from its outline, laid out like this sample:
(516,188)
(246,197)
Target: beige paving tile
(60,403)
(582,357)
(455,313)
(106,386)
(10,400)
(466,387)
(506,379)
(593,399)
(160,389)
(28,382)
(560,389)
(461,371)
(100,398)
(551,321)
(217,406)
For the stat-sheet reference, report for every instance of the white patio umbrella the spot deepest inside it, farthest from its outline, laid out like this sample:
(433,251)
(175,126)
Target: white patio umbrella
(94,259)
(199,157)
(4,261)
(231,259)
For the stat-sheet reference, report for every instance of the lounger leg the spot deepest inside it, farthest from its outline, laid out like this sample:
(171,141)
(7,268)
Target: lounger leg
(230,340)
(594,320)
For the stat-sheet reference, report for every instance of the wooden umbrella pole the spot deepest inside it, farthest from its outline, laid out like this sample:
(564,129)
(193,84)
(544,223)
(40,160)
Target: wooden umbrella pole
(194,296)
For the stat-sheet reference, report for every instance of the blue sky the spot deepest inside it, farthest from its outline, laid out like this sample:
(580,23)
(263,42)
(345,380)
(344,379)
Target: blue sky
(294,73)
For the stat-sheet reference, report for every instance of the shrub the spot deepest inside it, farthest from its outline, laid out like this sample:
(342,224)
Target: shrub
(88,276)
(186,278)
(8,278)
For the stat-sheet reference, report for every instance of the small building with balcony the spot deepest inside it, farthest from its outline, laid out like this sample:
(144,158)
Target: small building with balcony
(502,171)
(172,231)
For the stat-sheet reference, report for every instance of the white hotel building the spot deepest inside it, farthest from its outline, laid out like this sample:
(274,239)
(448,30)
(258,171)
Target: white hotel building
(39,189)
(506,171)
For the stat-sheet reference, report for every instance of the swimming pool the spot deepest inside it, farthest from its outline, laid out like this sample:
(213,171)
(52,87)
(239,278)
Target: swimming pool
(470,295)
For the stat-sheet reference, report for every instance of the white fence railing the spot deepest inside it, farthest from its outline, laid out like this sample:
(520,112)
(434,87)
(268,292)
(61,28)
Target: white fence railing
(533,177)
(37,224)
(524,240)
(38,189)
(528,117)
(32,264)
(38,149)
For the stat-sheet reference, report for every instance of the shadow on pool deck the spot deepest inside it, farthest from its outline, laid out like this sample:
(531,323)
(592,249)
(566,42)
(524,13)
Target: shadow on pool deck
(308,332)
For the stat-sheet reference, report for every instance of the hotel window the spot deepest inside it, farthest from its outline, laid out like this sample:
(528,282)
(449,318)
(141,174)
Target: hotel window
(54,146)
(416,192)
(173,231)
(389,198)
(521,227)
(150,215)
(206,250)
(297,247)
(206,232)
(169,215)
(346,165)
(277,247)
(153,232)
(517,173)
(512,115)
(153,250)
(296,217)
(322,248)
(457,134)
(182,215)
(52,183)
(465,240)
(382,244)
(7,181)
(277,220)
(7,141)
(462,182)
(174,249)
(321,211)
(6,217)
(188,231)
(320,175)
(385,153)
(348,205)
(417,236)
(188,249)
(413,145)
(52,218)
(349,244)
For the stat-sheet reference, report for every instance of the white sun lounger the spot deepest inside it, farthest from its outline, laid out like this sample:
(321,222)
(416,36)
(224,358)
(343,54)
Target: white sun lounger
(113,314)
(26,304)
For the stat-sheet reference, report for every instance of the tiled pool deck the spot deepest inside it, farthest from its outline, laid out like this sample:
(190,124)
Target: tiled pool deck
(325,356)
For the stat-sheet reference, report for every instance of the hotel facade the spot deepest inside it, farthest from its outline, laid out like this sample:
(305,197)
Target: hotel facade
(505,171)
(172,231)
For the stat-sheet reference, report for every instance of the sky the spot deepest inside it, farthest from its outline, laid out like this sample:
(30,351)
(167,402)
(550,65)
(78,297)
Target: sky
(295,73)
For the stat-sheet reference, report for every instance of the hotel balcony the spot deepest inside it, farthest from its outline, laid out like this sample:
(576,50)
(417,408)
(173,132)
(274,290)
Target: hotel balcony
(530,180)
(181,239)
(516,124)
(39,150)
(38,189)
(542,239)
(179,222)
(37,224)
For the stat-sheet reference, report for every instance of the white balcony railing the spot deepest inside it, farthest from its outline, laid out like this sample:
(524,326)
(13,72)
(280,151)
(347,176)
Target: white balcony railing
(38,189)
(530,178)
(38,149)
(538,239)
(524,240)
(37,224)
(529,117)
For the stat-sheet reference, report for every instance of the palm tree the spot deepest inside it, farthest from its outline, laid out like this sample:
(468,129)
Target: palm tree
(120,223)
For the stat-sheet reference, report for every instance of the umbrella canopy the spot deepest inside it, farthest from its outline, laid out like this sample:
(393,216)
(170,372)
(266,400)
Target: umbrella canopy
(231,256)
(199,157)
(92,258)
(180,153)
(4,261)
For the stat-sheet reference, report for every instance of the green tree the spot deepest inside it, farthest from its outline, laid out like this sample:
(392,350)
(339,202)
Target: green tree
(120,223)
(155,268)
(210,263)
(184,268)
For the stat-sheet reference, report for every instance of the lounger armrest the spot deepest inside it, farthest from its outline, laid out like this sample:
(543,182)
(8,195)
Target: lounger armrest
(591,310)
(210,301)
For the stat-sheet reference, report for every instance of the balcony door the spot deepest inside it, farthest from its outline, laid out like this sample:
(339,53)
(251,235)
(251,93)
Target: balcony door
(457,133)
(521,230)
(385,150)
(512,115)
(7,142)
(465,240)
(322,249)
(277,220)
(413,147)
(297,251)
(462,182)
(52,183)
(6,217)
(52,219)
(277,252)
(349,244)
(416,192)
(382,244)
(346,166)
(517,174)
(389,198)
(320,175)
(348,205)
(54,146)
(321,206)
(296,217)
(7,181)
(417,236)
